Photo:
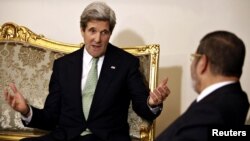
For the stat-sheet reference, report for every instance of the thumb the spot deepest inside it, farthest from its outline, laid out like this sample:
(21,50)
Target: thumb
(164,82)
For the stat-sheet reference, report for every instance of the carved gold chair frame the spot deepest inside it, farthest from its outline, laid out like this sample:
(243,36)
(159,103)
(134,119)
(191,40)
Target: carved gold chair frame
(11,33)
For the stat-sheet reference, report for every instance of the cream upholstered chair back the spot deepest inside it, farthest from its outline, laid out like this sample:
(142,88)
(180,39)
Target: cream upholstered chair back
(26,59)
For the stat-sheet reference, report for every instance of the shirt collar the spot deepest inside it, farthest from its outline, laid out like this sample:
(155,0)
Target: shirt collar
(86,57)
(212,88)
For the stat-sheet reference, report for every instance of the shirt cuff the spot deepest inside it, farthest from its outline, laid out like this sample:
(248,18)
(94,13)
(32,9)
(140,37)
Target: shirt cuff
(155,109)
(27,119)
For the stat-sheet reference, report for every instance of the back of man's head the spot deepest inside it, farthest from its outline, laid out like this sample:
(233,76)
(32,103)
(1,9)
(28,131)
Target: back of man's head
(225,53)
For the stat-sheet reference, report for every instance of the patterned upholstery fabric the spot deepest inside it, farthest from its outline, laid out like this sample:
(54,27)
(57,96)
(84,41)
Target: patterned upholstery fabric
(29,68)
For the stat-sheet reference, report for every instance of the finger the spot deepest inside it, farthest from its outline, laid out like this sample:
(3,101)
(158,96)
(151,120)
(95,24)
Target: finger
(164,93)
(157,97)
(8,96)
(10,99)
(153,97)
(5,92)
(13,87)
(157,93)
(13,103)
(164,82)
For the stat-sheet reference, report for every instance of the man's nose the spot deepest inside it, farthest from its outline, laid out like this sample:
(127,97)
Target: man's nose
(98,37)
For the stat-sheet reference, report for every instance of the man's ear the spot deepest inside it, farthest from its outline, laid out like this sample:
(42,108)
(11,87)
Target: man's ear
(202,64)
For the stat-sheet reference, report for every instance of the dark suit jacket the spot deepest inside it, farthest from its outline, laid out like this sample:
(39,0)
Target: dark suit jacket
(107,119)
(225,107)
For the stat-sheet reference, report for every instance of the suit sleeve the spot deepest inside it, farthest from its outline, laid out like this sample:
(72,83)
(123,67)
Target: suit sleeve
(139,92)
(47,118)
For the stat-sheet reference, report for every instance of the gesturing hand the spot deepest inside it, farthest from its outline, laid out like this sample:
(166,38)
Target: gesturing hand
(16,100)
(158,95)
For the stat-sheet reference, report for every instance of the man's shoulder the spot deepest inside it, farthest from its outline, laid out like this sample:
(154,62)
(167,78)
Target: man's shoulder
(73,55)
(118,51)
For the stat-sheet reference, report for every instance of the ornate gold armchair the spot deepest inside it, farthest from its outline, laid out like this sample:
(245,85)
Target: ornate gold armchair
(26,59)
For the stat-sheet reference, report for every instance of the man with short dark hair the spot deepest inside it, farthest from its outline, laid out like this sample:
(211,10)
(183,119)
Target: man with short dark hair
(215,70)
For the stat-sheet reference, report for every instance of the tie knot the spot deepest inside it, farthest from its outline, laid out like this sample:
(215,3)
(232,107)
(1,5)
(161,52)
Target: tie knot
(94,60)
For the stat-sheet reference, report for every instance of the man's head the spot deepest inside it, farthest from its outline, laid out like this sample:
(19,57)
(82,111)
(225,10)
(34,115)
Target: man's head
(221,53)
(97,23)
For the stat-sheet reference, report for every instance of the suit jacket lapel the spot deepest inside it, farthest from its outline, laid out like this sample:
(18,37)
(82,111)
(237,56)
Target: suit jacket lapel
(75,72)
(107,72)
(75,67)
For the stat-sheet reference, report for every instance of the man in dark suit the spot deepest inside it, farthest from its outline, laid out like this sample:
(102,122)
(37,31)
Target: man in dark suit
(119,82)
(215,70)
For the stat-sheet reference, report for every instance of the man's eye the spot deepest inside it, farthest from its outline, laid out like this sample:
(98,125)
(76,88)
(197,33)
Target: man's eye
(105,32)
(92,31)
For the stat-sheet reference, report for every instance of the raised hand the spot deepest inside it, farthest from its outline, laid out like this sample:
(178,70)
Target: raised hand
(16,100)
(158,95)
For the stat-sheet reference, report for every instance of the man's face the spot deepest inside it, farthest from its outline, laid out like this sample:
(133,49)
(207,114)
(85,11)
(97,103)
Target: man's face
(96,37)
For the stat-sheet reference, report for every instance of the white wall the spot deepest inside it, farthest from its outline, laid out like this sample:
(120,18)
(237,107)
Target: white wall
(176,25)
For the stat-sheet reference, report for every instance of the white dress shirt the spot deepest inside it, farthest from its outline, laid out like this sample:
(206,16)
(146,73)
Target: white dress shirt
(87,63)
